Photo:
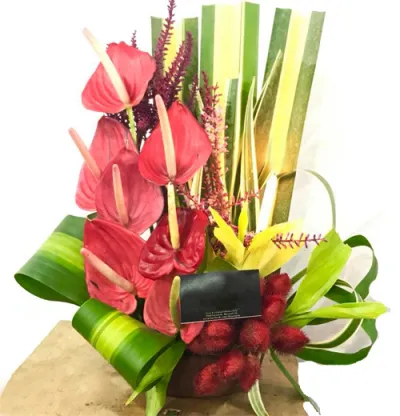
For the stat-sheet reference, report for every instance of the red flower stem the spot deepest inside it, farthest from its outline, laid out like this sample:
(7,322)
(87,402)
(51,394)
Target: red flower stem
(172,217)
(119,197)
(87,157)
(132,124)
(107,271)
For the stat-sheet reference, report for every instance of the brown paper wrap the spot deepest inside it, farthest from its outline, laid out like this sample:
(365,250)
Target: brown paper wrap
(65,376)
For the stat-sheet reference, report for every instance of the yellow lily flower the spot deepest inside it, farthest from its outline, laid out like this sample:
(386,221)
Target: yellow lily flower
(262,254)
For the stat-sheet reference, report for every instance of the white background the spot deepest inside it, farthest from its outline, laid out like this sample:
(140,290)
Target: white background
(351,137)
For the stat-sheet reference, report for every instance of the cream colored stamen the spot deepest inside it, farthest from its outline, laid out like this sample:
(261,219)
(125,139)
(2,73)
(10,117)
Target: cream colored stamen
(119,196)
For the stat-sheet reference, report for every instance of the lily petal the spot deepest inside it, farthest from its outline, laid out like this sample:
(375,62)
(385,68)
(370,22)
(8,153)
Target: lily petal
(119,249)
(110,137)
(191,143)
(158,258)
(157,314)
(136,69)
(143,200)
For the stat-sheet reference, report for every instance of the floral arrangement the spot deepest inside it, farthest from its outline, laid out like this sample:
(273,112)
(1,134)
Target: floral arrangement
(188,177)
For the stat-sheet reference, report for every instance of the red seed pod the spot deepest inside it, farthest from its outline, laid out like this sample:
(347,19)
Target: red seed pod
(232,364)
(251,373)
(274,307)
(208,381)
(255,335)
(220,329)
(278,284)
(289,340)
(214,345)
(197,346)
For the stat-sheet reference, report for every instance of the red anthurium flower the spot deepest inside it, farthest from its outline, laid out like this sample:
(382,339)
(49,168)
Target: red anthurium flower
(110,137)
(120,80)
(160,259)
(157,314)
(125,197)
(191,143)
(111,255)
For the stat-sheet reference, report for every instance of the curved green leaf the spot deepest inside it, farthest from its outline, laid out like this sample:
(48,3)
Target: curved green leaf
(56,270)
(325,265)
(337,294)
(155,397)
(127,344)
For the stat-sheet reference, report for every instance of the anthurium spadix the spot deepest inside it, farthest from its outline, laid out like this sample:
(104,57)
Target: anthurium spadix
(125,197)
(186,144)
(120,80)
(110,137)
(157,313)
(262,254)
(111,254)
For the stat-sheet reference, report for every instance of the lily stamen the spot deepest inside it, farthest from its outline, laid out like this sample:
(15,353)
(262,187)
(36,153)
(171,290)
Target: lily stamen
(109,67)
(107,271)
(119,196)
(84,151)
(170,161)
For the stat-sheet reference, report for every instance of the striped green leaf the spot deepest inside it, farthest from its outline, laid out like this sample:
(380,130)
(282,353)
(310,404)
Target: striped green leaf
(191,25)
(279,35)
(248,171)
(256,400)
(141,355)
(298,112)
(56,270)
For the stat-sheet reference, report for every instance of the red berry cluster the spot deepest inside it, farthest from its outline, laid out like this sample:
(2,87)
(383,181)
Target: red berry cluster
(251,336)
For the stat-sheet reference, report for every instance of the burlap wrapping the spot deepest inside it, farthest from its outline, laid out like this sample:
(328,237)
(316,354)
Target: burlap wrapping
(65,376)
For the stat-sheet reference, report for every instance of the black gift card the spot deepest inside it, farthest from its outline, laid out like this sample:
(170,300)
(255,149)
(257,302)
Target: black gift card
(220,295)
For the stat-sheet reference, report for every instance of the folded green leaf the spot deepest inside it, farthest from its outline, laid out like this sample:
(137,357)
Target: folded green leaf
(127,344)
(56,271)
(326,263)
(162,367)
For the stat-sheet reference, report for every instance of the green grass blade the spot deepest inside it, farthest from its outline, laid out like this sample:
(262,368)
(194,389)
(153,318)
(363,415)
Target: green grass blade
(207,41)
(156,27)
(56,271)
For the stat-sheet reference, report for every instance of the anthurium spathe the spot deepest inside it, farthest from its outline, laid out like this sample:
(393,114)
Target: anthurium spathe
(111,255)
(191,148)
(159,258)
(110,137)
(120,80)
(262,254)
(125,197)
(157,314)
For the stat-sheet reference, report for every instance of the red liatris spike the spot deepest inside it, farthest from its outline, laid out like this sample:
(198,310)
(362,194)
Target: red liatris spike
(289,340)
(219,329)
(273,309)
(251,373)
(232,364)
(255,335)
(278,284)
(208,381)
